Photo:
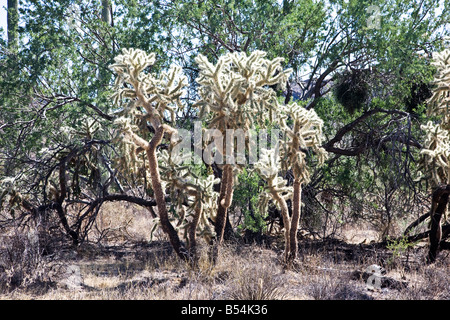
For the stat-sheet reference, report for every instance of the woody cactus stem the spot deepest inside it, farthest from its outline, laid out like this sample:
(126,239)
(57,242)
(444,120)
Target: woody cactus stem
(224,202)
(193,231)
(286,222)
(225,198)
(297,194)
(150,148)
(438,208)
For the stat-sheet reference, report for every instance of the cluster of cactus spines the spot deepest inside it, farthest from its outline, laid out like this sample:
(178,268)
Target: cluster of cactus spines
(437,152)
(153,97)
(437,142)
(235,90)
(439,102)
(130,161)
(235,94)
(305,132)
(156,94)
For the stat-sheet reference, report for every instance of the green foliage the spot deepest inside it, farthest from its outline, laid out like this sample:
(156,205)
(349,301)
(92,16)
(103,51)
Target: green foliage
(246,197)
(398,248)
(242,25)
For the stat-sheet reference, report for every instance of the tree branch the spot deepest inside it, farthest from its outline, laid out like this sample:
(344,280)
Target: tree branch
(330,145)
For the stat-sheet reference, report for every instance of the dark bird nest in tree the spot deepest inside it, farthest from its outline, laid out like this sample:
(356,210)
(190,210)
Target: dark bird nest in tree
(420,92)
(352,89)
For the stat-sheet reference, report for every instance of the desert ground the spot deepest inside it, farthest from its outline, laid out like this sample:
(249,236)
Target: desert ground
(127,265)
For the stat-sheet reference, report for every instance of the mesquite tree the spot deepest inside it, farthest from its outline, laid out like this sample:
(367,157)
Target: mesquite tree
(235,94)
(437,148)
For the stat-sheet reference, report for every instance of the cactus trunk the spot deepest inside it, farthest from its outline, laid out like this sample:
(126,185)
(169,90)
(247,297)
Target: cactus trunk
(438,209)
(192,233)
(286,221)
(159,195)
(224,202)
(225,198)
(297,195)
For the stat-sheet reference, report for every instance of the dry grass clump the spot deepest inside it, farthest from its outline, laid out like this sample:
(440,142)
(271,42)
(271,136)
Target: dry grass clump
(428,282)
(22,264)
(327,286)
(256,284)
(257,278)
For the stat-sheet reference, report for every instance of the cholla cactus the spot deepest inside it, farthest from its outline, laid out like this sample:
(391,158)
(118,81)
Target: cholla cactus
(437,147)
(156,94)
(437,144)
(235,90)
(437,152)
(147,98)
(9,195)
(130,162)
(305,133)
(268,168)
(235,94)
(194,198)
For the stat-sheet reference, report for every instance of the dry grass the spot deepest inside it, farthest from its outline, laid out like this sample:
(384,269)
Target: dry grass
(248,273)
(131,268)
